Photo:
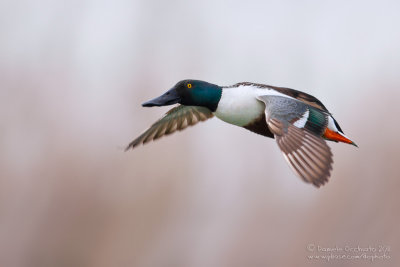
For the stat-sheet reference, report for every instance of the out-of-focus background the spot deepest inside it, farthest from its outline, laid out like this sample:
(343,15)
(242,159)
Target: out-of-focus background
(73,75)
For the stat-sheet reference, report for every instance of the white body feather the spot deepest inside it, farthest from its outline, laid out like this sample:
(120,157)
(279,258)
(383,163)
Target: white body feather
(239,105)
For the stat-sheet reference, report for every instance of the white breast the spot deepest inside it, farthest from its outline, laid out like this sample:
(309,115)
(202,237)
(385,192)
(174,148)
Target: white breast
(239,105)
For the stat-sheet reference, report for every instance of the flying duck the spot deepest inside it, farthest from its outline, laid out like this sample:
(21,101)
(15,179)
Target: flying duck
(299,122)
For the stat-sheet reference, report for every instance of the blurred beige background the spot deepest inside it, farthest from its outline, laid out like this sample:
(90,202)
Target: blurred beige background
(73,75)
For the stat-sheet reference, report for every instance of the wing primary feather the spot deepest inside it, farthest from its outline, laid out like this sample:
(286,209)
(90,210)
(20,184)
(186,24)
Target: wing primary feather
(307,169)
(318,164)
(176,119)
(307,154)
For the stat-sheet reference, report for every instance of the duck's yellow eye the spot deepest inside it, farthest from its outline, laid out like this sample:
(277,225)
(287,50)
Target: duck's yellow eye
(189,85)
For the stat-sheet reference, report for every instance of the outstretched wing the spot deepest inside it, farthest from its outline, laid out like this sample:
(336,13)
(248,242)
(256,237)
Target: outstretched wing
(176,119)
(298,128)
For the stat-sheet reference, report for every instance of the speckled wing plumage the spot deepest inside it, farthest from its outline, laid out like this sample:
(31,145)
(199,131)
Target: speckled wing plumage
(176,119)
(301,143)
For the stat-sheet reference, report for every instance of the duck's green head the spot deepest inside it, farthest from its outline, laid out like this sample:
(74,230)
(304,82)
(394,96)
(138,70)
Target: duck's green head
(189,93)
